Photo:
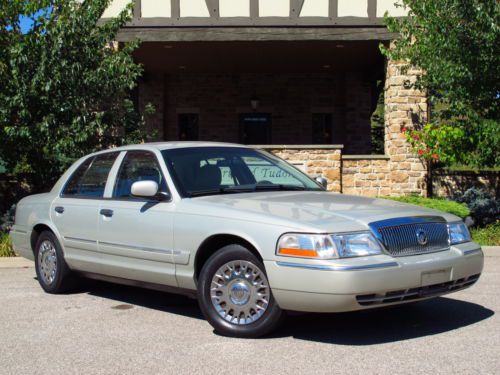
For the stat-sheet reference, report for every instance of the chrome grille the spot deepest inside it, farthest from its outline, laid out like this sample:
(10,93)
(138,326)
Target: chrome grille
(401,236)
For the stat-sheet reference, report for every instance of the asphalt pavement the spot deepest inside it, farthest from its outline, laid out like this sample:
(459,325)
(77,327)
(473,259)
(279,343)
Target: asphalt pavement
(109,329)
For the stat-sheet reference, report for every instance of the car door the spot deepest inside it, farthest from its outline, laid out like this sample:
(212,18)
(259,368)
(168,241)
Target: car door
(135,234)
(75,212)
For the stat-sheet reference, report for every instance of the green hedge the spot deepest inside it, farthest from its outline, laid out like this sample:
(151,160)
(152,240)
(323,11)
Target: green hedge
(487,236)
(445,205)
(5,246)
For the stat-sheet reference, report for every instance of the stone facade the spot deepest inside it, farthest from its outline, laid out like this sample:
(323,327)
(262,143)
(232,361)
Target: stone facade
(219,98)
(448,184)
(315,162)
(368,176)
(405,107)
(290,98)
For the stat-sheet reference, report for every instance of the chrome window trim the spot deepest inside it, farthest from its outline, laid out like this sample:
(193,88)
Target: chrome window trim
(322,267)
(135,247)
(79,239)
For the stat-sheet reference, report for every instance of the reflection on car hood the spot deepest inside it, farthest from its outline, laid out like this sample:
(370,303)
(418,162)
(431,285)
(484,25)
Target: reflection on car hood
(319,211)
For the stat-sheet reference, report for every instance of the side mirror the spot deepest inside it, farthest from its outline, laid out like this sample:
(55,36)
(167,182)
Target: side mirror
(147,189)
(322,181)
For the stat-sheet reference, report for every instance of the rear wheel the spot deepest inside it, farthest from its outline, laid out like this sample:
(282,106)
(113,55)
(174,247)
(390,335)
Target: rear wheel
(52,271)
(235,296)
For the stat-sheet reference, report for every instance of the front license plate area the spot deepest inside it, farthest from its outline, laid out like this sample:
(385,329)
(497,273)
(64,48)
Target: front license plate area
(436,277)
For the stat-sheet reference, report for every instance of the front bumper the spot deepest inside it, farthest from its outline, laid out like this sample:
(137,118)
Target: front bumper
(341,285)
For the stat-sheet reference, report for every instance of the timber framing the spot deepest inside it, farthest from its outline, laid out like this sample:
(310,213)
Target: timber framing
(215,34)
(254,20)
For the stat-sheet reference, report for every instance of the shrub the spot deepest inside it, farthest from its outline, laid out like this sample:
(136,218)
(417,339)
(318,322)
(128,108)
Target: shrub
(484,208)
(487,236)
(7,220)
(6,246)
(445,205)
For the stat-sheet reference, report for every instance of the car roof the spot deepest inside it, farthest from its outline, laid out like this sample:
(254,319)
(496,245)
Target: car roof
(172,145)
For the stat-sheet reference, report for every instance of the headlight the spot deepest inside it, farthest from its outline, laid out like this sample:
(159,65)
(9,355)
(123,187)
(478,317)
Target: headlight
(323,246)
(357,244)
(458,233)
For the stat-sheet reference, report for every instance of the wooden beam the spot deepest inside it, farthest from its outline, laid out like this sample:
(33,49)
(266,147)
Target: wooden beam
(372,9)
(137,10)
(200,34)
(213,8)
(295,8)
(333,10)
(175,9)
(254,9)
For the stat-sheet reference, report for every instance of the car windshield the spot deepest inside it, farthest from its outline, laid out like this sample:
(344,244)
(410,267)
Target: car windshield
(199,171)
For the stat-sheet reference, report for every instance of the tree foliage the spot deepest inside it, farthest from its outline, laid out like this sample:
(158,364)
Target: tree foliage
(457,45)
(65,88)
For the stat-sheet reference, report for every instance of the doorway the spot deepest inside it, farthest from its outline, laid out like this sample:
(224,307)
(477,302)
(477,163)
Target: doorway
(255,128)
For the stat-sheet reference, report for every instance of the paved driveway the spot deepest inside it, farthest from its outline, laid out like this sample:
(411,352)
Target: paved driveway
(113,329)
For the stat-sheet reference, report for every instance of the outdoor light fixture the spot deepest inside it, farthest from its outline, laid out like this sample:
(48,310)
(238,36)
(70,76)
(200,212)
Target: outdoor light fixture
(254,102)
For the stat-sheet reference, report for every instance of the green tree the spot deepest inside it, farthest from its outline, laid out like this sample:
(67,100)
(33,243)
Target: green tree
(457,45)
(65,86)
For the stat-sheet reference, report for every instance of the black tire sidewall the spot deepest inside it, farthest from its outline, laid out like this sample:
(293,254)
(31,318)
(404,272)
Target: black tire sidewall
(62,271)
(269,321)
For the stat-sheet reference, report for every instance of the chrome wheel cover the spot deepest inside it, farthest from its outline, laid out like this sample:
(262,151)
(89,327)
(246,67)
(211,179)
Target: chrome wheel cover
(47,262)
(240,292)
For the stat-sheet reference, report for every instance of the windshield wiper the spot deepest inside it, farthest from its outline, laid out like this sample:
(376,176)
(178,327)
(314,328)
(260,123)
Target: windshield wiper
(245,189)
(258,187)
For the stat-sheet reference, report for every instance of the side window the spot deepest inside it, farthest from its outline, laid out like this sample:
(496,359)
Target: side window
(89,180)
(138,166)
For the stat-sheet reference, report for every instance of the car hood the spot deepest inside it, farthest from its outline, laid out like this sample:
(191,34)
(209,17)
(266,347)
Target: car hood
(317,211)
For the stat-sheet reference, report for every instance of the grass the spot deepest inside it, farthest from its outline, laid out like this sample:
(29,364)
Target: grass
(440,204)
(6,246)
(487,236)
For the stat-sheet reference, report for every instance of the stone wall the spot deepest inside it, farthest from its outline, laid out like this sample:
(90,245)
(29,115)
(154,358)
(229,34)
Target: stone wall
(405,107)
(368,176)
(151,90)
(290,98)
(449,184)
(314,161)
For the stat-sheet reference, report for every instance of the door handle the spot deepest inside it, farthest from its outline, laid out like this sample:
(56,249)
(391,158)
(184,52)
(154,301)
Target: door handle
(106,212)
(59,209)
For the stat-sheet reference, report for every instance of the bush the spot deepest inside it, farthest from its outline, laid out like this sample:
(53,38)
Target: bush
(7,220)
(451,207)
(6,246)
(488,236)
(484,208)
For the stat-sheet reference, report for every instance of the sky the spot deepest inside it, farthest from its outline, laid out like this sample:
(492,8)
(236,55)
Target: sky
(25,24)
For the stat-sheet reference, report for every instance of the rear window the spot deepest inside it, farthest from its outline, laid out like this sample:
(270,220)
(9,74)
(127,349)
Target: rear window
(89,180)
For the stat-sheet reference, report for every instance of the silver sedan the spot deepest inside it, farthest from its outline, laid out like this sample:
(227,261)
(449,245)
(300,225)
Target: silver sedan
(246,233)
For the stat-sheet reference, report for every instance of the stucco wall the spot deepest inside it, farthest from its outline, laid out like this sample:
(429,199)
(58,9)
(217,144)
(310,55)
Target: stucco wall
(267,8)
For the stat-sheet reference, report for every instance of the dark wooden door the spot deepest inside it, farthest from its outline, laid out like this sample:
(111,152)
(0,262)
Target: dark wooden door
(255,128)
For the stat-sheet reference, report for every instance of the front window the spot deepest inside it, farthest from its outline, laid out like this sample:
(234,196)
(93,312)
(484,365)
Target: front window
(225,170)
(137,166)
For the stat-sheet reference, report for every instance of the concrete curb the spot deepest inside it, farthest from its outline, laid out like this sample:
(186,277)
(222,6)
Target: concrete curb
(491,251)
(16,262)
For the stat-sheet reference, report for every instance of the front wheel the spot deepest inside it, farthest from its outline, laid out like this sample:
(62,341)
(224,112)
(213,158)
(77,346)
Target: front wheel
(235,296)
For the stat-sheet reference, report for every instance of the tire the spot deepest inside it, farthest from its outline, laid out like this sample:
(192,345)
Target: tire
(241,303)
(52,272)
